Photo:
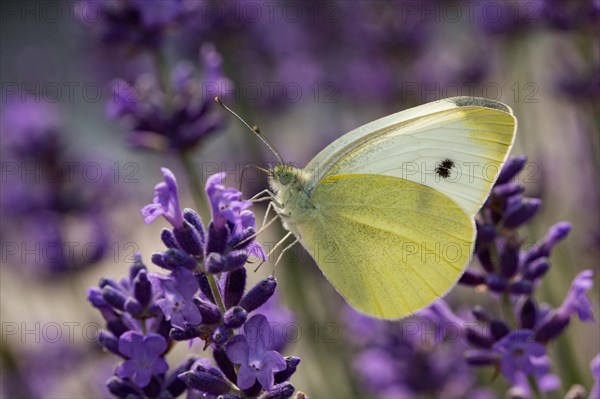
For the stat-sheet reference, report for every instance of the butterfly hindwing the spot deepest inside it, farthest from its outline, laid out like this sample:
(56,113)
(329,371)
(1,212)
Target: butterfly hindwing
(389,246)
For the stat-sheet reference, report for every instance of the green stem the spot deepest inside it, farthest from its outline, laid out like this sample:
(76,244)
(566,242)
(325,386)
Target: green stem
(162,70)
(214,288)
(507,309)
(535,389)
(193,180)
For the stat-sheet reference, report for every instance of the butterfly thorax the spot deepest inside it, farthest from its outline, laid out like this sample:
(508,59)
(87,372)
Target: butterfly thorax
(292,195)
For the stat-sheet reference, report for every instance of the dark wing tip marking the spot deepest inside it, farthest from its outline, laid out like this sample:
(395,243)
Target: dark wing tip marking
(480,102)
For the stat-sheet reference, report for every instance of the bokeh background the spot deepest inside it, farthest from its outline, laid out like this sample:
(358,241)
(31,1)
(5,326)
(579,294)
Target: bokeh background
(305,72)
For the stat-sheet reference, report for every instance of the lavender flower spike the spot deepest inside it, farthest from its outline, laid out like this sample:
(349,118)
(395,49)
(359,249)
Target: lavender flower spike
(251,352)
(165,202)
(144,353)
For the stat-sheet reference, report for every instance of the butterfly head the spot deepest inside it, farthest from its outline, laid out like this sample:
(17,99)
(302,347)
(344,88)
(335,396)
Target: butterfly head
(285,175)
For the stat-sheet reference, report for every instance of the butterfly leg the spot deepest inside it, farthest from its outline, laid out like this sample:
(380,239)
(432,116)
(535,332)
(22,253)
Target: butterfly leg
(264,226)
(280,243)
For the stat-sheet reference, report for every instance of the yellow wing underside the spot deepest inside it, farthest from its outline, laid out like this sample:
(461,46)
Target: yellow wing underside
(390,246)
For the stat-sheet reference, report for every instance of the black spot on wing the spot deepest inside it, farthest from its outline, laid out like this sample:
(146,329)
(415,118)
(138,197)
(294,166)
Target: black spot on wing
(444,168)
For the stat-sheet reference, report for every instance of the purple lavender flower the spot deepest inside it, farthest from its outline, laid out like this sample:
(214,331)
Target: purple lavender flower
(519,354)
(144,357)
(226,202)
(165,203)
(576,300)
(251,352)
(176,302)
(515,271)
(176,117)
(186,305)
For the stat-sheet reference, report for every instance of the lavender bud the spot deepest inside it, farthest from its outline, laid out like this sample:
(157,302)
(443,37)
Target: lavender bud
(215,263)
(136,267)
(551,328)
(235,317)
(108,341)
(113,297)
(168,238)
(133,307)
(122,389)
(142,288)
(521,214)
(291,365)
(471,278)
(480,314)
(173,384)
(210,312)
(510,169)
(555,234)
(157,259)
(235,259)
(522,287)
(485,260)
(528,314)
(480,358)
(217,238)
(244,236)
(508,189)
(486,233)
(174,258)
(537,268)
(259,294)
(221,335)
(194,219)
(496,283)
(234,286)
(509,259)
(499,329)
(204,286)
(280,391)
(189,239)
(205,382)
(479,340)
(178,334)
(229,396)
(106,282)
(224,364)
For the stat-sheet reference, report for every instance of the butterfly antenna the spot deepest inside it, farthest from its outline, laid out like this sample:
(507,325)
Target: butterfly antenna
(254,129)
(251,166)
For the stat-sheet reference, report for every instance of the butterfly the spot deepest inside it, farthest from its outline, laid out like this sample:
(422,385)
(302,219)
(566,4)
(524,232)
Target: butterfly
(387,210)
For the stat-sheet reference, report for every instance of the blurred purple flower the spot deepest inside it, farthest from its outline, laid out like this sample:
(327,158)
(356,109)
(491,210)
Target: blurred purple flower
(518,350)
(251,352)
(576,300)
(176,117)
(133,22)
(166,202)
(595,369)
(144,357)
